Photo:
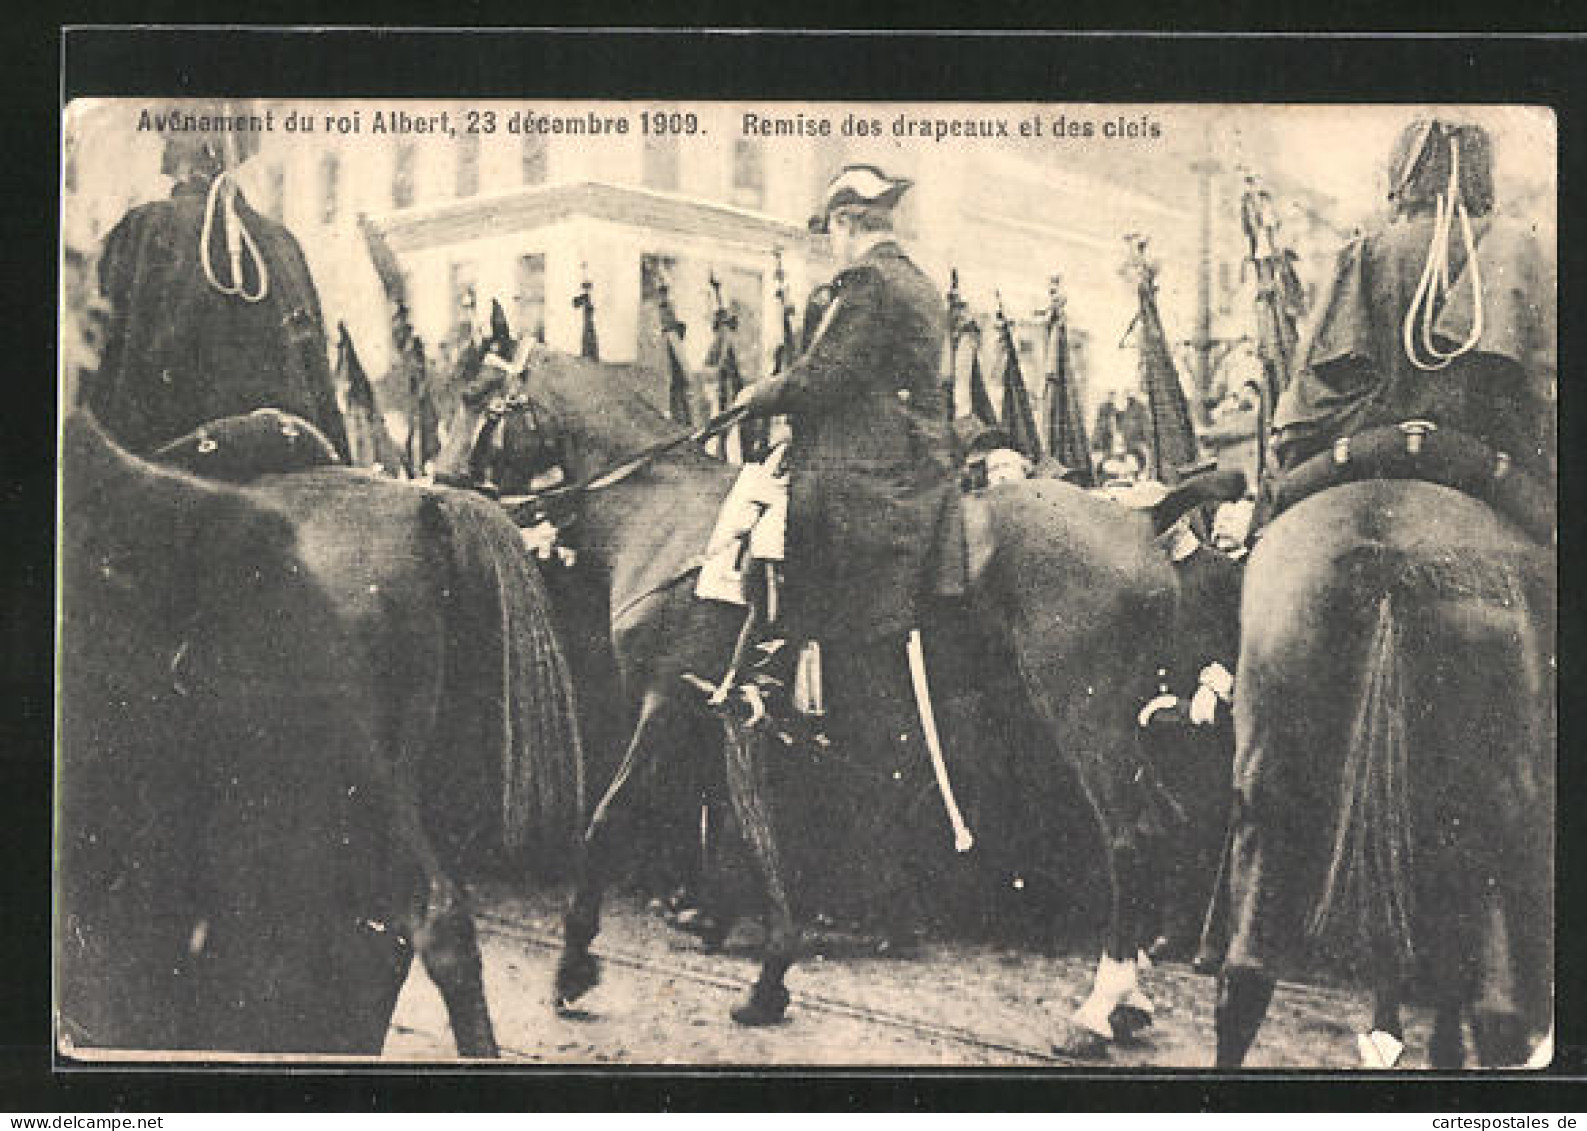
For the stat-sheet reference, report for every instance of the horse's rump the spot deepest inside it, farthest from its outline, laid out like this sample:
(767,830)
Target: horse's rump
(469,670)
(1081,605)
(1392,770)
(219,829)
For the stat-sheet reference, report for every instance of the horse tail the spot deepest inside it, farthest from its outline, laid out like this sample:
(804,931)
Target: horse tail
(1369,878)
(507,674)
(1367,892)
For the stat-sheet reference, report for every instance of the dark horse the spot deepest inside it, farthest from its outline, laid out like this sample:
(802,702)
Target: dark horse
(393,639)
(1395,767)
(1061,577)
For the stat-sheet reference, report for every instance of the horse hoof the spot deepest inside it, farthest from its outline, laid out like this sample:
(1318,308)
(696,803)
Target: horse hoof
(1128,1022)
(577,975)
(1081,1044)
(1166,948)
(1379,1049)
(702,925)
(764,1007)
(567,1011)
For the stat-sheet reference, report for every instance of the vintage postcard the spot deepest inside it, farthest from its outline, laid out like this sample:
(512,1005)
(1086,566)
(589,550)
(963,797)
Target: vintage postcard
(888,584)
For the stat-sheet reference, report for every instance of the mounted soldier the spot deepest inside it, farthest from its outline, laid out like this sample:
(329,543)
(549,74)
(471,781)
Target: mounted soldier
(213,309)
(1402,603)
(873,511)
(1444,315)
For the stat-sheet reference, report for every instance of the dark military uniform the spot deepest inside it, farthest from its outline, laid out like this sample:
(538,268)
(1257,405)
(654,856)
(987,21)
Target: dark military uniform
(180,353)
(1355,373)
(873,524)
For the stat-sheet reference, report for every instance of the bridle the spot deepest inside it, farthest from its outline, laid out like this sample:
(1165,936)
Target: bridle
(532,506)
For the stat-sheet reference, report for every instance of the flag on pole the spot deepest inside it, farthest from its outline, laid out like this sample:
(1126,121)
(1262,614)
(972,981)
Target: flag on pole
(584,301)
(788,347)
(387,267)
(759,435)
(1062,417)
(1019,422)
(424,432)
(950,345)
(672,332)
(967,396)
(1172,435)
(977,398)
(1280,303)
(410,368)
(721,361)
(368,440)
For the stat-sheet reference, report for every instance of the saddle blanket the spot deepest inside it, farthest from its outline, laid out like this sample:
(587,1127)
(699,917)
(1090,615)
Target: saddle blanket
(239,449)
(752,526)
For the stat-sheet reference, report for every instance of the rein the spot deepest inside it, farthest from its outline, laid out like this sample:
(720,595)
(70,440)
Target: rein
(531,505)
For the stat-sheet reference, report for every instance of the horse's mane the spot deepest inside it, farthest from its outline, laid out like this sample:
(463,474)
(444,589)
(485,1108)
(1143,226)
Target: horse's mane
(603,404)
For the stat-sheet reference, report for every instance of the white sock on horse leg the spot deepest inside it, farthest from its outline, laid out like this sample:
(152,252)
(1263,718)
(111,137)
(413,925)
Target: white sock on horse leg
(1115,984)
(1379,1049)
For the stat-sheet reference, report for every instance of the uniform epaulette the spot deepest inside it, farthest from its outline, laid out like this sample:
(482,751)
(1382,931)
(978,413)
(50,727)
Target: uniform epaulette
(850,277)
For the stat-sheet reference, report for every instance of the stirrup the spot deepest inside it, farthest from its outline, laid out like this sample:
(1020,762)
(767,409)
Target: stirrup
(748,705)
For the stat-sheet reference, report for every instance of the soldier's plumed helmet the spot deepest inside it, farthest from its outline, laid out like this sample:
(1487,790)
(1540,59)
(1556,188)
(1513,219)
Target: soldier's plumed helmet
(863,185)
(1420,162)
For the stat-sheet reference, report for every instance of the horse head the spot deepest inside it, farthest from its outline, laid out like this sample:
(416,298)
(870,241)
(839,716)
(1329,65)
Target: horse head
(499,441)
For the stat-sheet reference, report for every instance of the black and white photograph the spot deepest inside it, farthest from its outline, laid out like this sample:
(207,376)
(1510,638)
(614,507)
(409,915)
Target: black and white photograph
(1044,585)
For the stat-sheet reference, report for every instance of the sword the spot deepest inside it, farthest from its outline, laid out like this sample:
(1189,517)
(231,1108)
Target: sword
(962,840)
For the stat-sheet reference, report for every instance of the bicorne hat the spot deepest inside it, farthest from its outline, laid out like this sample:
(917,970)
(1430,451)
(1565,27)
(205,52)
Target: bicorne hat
(858,184)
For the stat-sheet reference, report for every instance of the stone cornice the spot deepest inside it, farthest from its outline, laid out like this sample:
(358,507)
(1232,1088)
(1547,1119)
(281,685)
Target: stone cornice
(526,209)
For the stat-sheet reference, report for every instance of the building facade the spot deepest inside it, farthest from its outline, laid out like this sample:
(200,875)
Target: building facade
(525,215)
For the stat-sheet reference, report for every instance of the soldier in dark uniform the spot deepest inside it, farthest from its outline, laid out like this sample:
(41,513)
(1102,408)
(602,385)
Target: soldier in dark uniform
(213,311)
(873,478)
(874,527)
(1445,313)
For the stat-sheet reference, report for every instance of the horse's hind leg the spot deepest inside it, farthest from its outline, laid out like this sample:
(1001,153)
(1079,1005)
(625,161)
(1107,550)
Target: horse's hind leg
(746,783)
(578,971)
(1386,1010)
(1243,997)
(442,929)
(1498,1024)
(1381,1046)
(449,949)
(1117,1007)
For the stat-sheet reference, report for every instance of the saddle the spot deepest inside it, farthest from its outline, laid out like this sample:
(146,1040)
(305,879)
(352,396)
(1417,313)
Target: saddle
(239,449)
(1420,449)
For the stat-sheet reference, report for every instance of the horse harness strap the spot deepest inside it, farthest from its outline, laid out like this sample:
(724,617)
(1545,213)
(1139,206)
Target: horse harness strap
(528,505)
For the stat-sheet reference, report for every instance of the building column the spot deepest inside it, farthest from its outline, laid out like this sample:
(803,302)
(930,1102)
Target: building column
(614,267)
